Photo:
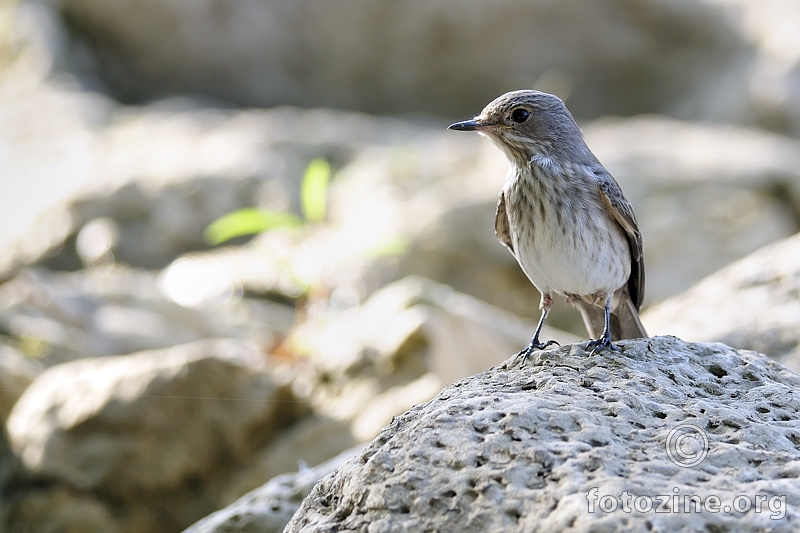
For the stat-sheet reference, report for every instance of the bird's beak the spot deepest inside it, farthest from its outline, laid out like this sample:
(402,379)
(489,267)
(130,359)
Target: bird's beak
(467,125)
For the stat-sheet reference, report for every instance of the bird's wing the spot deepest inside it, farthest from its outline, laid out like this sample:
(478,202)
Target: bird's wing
(622,211)
(501,227)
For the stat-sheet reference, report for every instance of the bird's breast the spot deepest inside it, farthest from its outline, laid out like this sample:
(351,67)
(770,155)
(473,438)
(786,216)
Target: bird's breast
(564,239)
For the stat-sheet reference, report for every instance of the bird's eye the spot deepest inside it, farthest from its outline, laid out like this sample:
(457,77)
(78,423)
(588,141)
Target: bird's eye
(520,115)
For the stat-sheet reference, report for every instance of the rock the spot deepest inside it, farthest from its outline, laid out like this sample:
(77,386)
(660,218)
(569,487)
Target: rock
(59,509)
(269,508)
(574,442)
(613,57)
(735,61)
(158,178)
(403,334)
(49,146)
(161,174)
(144,226)
(751,304)
(771,94)
(16,373)
(59,317)
(373,362)
(139,432)
(9,466)
(7,38)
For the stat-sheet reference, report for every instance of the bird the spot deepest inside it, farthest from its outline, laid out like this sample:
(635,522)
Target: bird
(564,217)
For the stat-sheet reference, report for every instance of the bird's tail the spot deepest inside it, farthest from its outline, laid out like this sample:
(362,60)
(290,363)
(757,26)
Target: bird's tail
(625,323)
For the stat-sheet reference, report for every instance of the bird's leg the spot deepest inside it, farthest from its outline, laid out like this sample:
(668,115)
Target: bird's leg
(605,339)
(544,305)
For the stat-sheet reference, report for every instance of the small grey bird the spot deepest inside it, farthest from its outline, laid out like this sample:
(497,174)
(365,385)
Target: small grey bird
(564,217)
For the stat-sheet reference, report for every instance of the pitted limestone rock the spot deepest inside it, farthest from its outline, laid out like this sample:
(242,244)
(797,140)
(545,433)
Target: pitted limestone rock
(557,443)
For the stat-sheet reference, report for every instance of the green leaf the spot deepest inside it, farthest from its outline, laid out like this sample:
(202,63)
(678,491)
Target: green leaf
(248,221)
(392,245)
(314,190)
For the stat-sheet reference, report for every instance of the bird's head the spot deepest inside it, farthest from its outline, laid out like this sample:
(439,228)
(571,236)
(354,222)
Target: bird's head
(527,123)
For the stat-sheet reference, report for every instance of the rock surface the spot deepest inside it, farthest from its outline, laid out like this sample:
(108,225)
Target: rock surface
(16,373)
(615,57)
(752,304)
(414,326)
(532,447)
(59,317)
(729,60)
(199,411)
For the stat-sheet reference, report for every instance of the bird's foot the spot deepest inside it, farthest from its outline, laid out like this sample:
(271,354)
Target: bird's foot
(534,345)
(600,344)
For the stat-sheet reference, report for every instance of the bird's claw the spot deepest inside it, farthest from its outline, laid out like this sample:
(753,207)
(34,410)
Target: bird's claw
(534,345)
(602,343)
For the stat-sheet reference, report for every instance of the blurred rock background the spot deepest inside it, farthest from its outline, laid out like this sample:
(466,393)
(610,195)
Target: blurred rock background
(150,378)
